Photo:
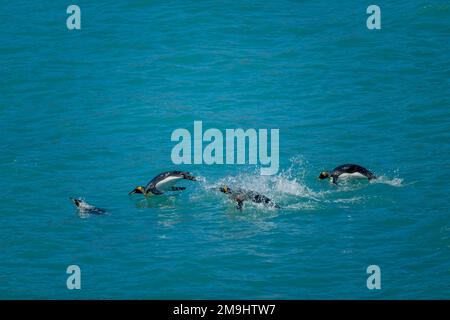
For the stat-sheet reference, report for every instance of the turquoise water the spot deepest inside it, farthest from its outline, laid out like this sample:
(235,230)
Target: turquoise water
(89,113)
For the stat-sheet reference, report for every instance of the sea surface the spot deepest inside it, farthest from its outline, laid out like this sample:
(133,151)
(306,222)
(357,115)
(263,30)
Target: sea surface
(89,113)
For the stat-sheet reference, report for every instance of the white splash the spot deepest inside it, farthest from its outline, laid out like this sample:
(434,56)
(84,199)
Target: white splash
(395,182)
(84,206)
(289,188)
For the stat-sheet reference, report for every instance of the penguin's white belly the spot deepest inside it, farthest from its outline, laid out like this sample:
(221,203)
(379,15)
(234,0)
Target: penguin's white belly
(352,175)
(167,183)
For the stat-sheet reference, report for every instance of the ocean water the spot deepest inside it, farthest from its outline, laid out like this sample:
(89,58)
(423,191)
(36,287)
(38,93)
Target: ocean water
(89,113)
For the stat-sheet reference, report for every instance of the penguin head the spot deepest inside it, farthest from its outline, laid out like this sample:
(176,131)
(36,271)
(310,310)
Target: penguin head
(324,175)
(225,189)
(139,189)
(188,176)
(76,202)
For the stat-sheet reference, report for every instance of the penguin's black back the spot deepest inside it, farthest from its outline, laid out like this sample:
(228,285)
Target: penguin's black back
(352,168)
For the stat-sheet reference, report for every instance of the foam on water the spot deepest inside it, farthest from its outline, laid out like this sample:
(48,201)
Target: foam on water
(83,208)
(395,182)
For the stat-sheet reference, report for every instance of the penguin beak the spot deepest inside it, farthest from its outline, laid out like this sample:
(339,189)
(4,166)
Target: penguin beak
(136,190)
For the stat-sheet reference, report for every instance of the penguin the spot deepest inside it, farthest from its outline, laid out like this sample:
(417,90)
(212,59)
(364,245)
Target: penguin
(164,182)
(241,195)
(347,171)
(85,207)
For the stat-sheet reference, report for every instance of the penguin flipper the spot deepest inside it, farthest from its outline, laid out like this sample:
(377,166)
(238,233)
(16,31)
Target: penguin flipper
(154,191)
(335,179)
(178,188)
(240,204)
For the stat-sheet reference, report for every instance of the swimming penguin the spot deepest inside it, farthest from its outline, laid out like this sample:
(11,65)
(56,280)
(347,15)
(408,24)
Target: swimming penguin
(164,182)
(86,207)
(347,171)
(241,195)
